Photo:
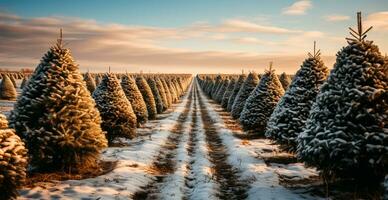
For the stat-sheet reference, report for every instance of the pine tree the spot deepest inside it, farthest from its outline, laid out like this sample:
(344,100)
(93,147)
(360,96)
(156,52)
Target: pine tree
(228,93)
(12,78)
(247,87)
(97,79)
(173,94)
(56,116)
(7,89)
(167,91)
(215,87)
(222,90)
(118,118)
(346,132)
(147,96)
(289,116)
(285,80)
(90,83)
(157,98)
(236,89)
(162,93)
(134,96)
(13,161)
(261,102)
(24,82)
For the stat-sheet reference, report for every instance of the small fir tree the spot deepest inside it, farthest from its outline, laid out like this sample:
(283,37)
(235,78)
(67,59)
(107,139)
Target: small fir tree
(240,81)
(248,86)
(134,96)
(147,96)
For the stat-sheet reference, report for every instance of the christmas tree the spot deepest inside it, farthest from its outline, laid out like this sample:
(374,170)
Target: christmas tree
(172,90)
(7,89)
(13,161)
(56,116)
(240,81)
(167,91)
(90,83)
(135,97)
(147,96)
(24,82)
(346,132)
(157,97)
(222,90)
(285,80)
(261,102)
(247,87)
(162,93)
(118,118)
(228,93)
(289,116)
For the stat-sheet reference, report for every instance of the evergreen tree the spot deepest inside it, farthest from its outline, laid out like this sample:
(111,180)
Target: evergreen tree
(346,132)
(289,116)
(162,93)
(7,89)
(215,87)
(135,97)
(56,116)
(247,87)
(222,90)
(97,79)
(228,93)
(167,91)
(24,82)
(12,78)
(157,98)
(261,102)
(118,118)
(236,89)
(13,161)
(147,96)
(174,96)
(285,80)
(90,84)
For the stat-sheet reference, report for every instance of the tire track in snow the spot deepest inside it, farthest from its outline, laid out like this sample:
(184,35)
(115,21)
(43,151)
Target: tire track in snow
(226,175)
(164,163)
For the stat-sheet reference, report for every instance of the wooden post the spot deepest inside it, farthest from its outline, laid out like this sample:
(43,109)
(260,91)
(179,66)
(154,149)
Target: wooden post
(60,37)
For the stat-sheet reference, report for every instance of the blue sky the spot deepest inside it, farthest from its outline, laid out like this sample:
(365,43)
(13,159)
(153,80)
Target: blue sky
(211,30)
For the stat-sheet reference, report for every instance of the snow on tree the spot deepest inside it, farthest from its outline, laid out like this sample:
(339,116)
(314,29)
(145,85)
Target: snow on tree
(177,86)
(162,93)
(167,91)
(12,78)
(285,80)
(347,130)
(247,87)
(261,102)
(56,116)
(222,90)
(135,97)
(90,83)
(7,89)
(240,81)
(172,90)
(215,87)
(292,111)
(97,79)
(118,118)
(157,98)
(13,161)
(147,96)
(228,93)
(24,82)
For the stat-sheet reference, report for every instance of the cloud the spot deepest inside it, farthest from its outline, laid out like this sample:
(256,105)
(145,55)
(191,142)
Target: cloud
(336,18)
(298,8)
(378,20)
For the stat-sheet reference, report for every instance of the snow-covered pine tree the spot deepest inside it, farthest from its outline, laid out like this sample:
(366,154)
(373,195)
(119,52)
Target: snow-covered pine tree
(285,80)
(158,99)
(289,116)
(162,93)
(7,89)
(12,78)
(236,88)
(167,91)
(147,96)
(90,83)
(118,118)
(177,86)
(215,87)
(247,87)
(134,96)
(346,132)
(24,82)
(172,90)
(261,102)
(222,90)
(13,161)
(228,93)
(97,79)
(56,116)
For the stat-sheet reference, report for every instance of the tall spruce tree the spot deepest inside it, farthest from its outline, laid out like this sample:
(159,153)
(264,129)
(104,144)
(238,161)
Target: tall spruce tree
(346,132)
(261,102)
(13,161)
(285,80)
(247,87)
(162,93)
(222,90)
(240,81)
(7,89)
(56,116)
(157,97)
(167,91)
(172,90)
(118,118)
(134,96)
(147,96)
(90,83)
(290,115)
(228,93)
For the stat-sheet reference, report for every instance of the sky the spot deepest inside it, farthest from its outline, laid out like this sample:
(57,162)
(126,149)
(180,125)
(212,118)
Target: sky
(177,36)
